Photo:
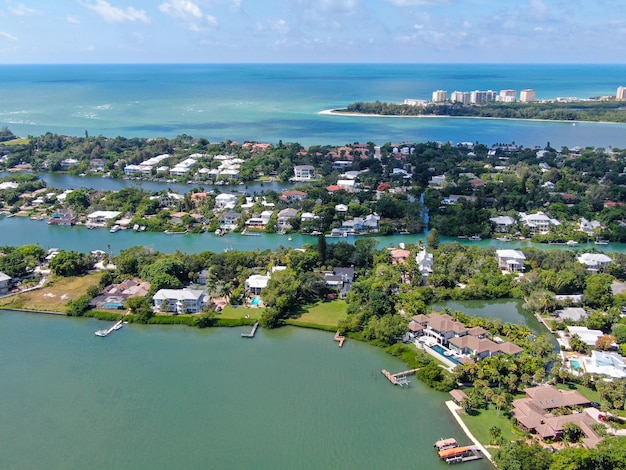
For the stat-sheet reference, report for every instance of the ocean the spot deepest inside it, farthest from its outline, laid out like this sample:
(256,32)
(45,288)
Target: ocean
(270,103)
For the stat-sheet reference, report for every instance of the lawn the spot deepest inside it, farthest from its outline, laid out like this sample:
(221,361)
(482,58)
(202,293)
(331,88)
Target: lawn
(480,424)
(231,312)
(19,141)
(322,313)
(591,395)
(54,296)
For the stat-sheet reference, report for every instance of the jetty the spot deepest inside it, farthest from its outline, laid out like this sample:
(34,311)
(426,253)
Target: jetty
(252,333)
(107,332)
(340,339)
(399,378)
(460,454)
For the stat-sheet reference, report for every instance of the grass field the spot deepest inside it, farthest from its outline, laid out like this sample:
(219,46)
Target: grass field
(480,424)
(323,313)
(231,312)
(54,296)
(20,141)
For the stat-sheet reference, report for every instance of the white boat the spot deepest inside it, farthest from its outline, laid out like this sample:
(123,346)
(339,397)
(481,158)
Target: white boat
(289,238)
(601,242)
(115,228)
(101,333)
(136,227)
(118,326)
(571,243)
(475,238)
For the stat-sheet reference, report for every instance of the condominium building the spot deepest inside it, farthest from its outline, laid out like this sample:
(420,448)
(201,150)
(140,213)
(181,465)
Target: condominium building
(478,96)
(621,93)
(439,96)
(527,96)
(507,96)
(463,97)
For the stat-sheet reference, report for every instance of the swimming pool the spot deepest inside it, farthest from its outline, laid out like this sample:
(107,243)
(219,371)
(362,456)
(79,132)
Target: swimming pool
(255,302)
(441,350)
(575,364)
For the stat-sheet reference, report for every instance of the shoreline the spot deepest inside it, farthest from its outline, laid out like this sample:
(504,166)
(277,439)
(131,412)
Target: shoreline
(336,112)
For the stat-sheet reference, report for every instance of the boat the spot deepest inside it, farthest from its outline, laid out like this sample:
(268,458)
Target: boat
(115,228)
(101,333)
(571,243)
(289,238)
(474,238)
(118,326)
(136,227)
(444,444)
(504,239)
(601,242)
(142,228)
(171,232)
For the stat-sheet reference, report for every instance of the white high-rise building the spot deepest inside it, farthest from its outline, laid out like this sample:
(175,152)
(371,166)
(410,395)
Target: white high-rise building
(621,93)
(478,96)
(507,96)
(527,96)
(463,97)
(440,96)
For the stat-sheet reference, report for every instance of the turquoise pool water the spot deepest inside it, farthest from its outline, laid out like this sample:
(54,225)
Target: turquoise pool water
(575,365)
(440,350)
(256,301)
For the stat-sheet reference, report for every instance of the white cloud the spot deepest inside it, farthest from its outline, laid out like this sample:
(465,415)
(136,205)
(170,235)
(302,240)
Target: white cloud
(329,6)
(112,14)
(71,19)
(190,12)
(8,36)
(183,9)
(21,10)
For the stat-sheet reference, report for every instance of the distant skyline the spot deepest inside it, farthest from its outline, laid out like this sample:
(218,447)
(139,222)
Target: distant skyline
(301,31)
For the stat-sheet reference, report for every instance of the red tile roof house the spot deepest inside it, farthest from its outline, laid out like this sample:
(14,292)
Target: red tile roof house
(533,413)
(292,196)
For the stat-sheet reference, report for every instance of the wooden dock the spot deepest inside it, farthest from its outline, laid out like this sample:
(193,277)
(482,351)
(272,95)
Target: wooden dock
(252,333)
(399,378)
(340,339)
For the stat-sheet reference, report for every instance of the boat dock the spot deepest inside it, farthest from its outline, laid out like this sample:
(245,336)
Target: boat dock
(399,378)
(252,333)
(107,332)
(460,454)
(339,338)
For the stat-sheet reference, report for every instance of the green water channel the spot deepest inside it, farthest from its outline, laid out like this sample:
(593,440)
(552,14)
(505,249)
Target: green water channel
(176,397)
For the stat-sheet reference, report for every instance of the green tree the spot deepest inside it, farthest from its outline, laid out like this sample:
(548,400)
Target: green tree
(432,239)
(70,263)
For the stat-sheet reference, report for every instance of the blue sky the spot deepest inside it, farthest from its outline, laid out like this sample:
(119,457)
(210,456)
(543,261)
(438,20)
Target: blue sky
(225,31)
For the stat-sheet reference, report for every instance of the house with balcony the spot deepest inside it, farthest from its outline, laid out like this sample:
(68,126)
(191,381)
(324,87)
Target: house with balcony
(228,220)
(340,280)
(256,283)
(102,217)
(303,172)
(511,260)
(293,195)
(595,262)
(5,283)
(538,222)
(225,201)
(285,216)
(502,223)
(180,300)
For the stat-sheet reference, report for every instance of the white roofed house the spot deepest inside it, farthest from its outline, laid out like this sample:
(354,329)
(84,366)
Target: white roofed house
(180,300)
(102,217)
(224,201)
(511,260)
(502,223)
(5,283)
(303,172)
(595,262)
(256,283)
(538,222)
(425,262)
(285,216)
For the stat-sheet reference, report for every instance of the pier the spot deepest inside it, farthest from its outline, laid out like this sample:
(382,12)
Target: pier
(399,378)
(252,333)
(103,333)
(340,339)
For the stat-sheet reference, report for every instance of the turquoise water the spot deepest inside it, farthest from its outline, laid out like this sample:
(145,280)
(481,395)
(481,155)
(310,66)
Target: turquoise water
(575,364)
(176,397)
(256,301)
(269,103)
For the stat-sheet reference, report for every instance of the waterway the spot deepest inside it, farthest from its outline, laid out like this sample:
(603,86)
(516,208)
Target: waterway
(176,397)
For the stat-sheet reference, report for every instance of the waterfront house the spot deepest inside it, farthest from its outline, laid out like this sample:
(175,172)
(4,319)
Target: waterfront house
(589,226)
(285,216)
(511,260)
(538,222)
(256,283)
(114,296)
(63,217)
(303,172)
(5,283)
(180,300)
(102,217)
(606,363)
(259,222)
(229,219)
(308,216)
(595,262)
(533,413)
(502,223)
